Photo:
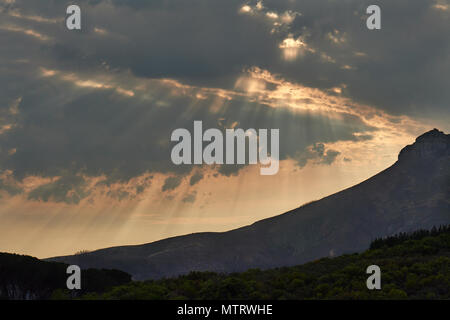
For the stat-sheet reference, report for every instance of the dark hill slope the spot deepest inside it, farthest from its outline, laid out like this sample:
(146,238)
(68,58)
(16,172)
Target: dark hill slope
(412,194)
(413,266)
(28,278)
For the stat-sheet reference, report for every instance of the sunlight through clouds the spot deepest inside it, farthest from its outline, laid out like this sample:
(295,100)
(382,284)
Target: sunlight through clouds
(86,117)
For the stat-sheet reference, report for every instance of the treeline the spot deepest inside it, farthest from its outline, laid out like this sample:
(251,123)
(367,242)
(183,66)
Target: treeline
(416,268)
(25,277)
(404,236)
(413,266)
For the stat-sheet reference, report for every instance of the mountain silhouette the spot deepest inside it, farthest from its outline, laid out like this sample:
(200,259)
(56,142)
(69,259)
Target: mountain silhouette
(414,193)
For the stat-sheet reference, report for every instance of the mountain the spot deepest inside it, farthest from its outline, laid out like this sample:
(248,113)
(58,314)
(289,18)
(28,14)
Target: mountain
(413,266)
(412,194)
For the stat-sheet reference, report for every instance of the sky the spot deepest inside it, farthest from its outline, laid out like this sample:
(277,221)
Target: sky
(86,115)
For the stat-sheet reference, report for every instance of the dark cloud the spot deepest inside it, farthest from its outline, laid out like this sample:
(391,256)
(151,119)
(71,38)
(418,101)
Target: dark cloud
(171,183)
(190,198)
(118,194)
(69,189)
(140,189)
(61,127)
(196,177)
(96,132)
(330,156)
(230,170)
(317,154)
(402,68)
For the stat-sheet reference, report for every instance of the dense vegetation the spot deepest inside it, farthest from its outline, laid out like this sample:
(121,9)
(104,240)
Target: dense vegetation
(25,277)
(402,237)
(413,266)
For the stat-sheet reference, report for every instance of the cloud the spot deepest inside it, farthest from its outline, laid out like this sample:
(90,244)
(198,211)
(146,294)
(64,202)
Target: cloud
(317,154)
(330,156)
(118,194)
(195,178)
(171,183)
(104,101)
(442,5)
(384,79)
(178,46)
(10,187)
(69,189)
(190,198)
(94,130)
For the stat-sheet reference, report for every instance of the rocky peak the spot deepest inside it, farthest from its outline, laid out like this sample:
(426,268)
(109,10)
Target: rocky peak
(429,145)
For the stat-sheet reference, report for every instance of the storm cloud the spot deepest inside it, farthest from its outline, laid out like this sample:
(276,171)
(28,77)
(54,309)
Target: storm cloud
(104,100)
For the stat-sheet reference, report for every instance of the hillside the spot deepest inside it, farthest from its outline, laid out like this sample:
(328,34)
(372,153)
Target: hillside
(28,278)
(412,194)
(413,266)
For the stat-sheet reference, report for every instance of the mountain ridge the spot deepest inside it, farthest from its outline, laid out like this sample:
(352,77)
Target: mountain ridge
(411,194)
